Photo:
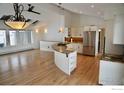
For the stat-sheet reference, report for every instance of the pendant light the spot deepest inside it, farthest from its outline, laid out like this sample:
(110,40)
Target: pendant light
(18,21)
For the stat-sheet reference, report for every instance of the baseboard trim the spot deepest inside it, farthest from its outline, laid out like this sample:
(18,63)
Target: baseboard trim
(7,53)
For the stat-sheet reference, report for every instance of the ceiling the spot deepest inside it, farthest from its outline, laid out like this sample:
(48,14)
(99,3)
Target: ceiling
(94,9)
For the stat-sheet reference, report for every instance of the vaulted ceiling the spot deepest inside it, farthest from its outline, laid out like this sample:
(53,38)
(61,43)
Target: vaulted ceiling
(95,9)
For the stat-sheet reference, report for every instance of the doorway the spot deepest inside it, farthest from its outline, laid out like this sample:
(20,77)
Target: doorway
(101,40)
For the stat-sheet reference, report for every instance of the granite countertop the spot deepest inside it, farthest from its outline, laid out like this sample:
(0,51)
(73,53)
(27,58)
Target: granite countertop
(113,58)
(62,47)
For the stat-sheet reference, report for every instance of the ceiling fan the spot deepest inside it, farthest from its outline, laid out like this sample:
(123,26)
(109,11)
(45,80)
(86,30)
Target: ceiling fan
(30,9)
(9,20)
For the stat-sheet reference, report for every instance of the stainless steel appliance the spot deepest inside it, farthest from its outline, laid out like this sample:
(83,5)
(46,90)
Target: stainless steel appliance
(89,43)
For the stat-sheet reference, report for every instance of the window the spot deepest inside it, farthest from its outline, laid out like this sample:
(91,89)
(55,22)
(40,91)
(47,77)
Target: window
(12,36)
(2,38)
(22,38)
(25,37)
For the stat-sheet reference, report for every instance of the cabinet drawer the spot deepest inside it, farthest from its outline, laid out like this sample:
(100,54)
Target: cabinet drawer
(71,68)
(71,63)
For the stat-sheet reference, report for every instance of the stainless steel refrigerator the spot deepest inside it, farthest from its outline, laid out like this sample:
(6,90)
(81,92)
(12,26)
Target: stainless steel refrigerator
(89,43)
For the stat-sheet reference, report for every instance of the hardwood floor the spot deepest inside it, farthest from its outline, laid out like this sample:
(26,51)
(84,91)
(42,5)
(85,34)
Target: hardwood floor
(36,67)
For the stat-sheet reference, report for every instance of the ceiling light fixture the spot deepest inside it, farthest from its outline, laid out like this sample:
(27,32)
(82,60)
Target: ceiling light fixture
(37,30)
(18,21)
(99,29)
(92,6)
(45,30)
(80,12)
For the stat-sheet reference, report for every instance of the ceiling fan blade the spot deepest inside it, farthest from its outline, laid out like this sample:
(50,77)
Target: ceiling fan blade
(35,22)
(5,17)
(35,12)
(28,20)
(30,9)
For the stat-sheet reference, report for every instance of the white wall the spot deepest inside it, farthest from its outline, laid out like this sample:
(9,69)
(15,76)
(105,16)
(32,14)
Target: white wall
(84,20)
(110,47)
(68,18)
(53,27)
(91,20)
(75,20)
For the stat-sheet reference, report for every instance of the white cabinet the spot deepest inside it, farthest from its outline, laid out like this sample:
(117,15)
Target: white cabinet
(47,45)
(118,36)
(66,62)
(76,31)
(66,32)
(90,28)
(111,73)
(78,47)
(86,28)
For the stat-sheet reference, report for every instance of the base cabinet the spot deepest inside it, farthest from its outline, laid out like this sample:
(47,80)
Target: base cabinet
(78,47)
(66,62)
(47,45)
(111,73)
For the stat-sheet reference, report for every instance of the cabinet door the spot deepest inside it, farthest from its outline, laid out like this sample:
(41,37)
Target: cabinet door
(80,48)
(74,46)
(46,46)
(73,32)
(61,61)
(80,32)
(86,28)
(93,28)
(118,37)
(43,45)
(72,60)
(111,73)
(66,32)
(90,28)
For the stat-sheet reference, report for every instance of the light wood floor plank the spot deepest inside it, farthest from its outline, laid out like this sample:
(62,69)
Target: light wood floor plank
(36,67)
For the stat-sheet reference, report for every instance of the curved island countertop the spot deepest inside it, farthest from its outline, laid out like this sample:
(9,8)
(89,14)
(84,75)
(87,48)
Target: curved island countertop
(63,48)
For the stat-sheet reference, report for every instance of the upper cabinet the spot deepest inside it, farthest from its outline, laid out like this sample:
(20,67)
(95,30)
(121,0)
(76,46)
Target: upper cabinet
(76,31)
(118,36)
(86,28)
(90,28)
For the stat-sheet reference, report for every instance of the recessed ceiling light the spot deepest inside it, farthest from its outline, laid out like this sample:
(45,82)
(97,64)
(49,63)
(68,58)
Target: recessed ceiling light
(92,6)
(80,12)
(99,29)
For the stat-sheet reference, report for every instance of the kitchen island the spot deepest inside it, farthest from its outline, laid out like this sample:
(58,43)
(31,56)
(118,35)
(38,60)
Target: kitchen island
(65,57)
(111,70)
